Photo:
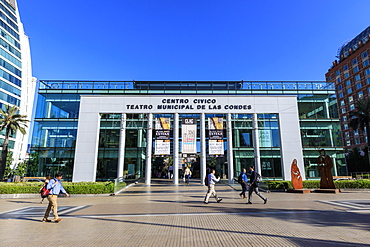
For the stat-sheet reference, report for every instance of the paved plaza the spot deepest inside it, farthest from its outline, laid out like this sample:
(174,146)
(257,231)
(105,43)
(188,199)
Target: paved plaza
(164,214)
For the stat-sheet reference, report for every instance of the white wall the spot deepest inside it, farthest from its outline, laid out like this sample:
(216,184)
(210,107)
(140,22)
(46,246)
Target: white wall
(92,105)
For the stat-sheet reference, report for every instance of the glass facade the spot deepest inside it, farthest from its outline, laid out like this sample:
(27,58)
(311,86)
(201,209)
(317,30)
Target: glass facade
(55,128)
(16,82)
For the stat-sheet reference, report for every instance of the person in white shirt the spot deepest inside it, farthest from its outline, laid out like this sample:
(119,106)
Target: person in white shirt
(212,180)
(187,175)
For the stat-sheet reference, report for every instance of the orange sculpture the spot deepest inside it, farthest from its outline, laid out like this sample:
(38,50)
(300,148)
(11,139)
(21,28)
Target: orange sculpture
(325,164)
(296,176)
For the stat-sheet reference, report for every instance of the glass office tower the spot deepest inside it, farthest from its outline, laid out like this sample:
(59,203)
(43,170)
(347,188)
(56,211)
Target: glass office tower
(127,140)
(16,82)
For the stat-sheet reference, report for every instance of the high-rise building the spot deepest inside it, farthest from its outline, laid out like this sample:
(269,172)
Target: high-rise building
(17,87)
(351,74)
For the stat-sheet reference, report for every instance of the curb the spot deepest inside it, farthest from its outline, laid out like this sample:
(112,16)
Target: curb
(20,196)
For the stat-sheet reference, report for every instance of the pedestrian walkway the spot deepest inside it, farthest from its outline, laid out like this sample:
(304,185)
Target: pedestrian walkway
(164,214)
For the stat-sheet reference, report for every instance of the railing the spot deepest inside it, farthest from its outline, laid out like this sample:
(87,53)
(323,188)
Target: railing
(122,182)
(119,184)
(360,175)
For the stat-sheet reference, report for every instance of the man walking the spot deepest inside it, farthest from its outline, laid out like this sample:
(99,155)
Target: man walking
(243,183)
(55,186)
(212,180)
(253,186)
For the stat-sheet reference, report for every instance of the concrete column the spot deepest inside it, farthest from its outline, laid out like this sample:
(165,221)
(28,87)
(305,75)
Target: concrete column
(203,154)
(230,156)
(149,144)
(256,144)
(122,144)
(175,161)
(334,158)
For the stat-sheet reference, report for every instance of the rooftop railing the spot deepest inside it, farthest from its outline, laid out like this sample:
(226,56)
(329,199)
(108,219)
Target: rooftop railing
(187,85)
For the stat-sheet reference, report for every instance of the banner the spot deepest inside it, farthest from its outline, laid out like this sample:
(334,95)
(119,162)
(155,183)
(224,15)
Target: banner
(162,144)
(216,136)
(189,136)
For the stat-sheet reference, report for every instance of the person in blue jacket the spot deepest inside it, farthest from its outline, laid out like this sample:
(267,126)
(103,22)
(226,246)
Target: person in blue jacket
(55,186)
(243,183)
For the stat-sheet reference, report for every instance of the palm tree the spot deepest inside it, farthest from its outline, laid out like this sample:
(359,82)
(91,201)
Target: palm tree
(360,118)
(10,121)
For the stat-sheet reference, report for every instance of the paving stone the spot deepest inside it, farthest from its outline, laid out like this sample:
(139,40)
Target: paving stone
(174,215)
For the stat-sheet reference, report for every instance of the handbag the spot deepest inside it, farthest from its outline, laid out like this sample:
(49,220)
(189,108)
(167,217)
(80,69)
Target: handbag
(44,192)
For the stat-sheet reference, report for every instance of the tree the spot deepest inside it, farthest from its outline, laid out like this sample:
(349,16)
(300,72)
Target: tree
(20,169)
(360,117)
(8,169)
(10,121)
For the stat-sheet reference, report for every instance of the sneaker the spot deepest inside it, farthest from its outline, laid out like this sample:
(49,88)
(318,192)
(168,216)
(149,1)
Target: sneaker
(241,195)
(206,202)
(219,200)
(249,202)
(265,201)
(57,220)
(46,220)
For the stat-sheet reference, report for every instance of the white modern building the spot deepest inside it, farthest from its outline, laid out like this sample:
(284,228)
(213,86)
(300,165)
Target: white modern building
(91,108)
(17,87)
(102,130)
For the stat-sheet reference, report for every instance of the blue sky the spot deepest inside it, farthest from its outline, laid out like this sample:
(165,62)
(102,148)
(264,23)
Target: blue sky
(272,40)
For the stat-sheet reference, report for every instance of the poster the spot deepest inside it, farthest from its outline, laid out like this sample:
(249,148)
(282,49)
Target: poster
(189,136)
(216,136)
(162,144)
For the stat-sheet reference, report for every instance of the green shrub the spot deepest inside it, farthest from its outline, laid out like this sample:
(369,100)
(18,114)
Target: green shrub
(311,184)
(278,185)
(71,188)
(89,187)
(315,184)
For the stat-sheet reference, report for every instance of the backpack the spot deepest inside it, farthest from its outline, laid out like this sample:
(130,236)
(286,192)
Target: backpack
(206,180)
(257,177)
(240,178)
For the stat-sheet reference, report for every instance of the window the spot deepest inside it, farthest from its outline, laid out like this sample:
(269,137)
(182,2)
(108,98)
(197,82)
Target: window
(343,110)
(344,118)
(355,132)
(348,83)
(368,89)
(367,72)
(354,61)
(351,107)
(345,67)
(357,140)
(342,102)
(339,87)
(358,85)
(349,90)
(348,142)
(368,80)
(346,75)
(346,135)
(355,69)
(337,73)
(358,77)
(345,126)
(364,54)
(350,98)
(366,63)
(338,80)
(341,94)
(360,94)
